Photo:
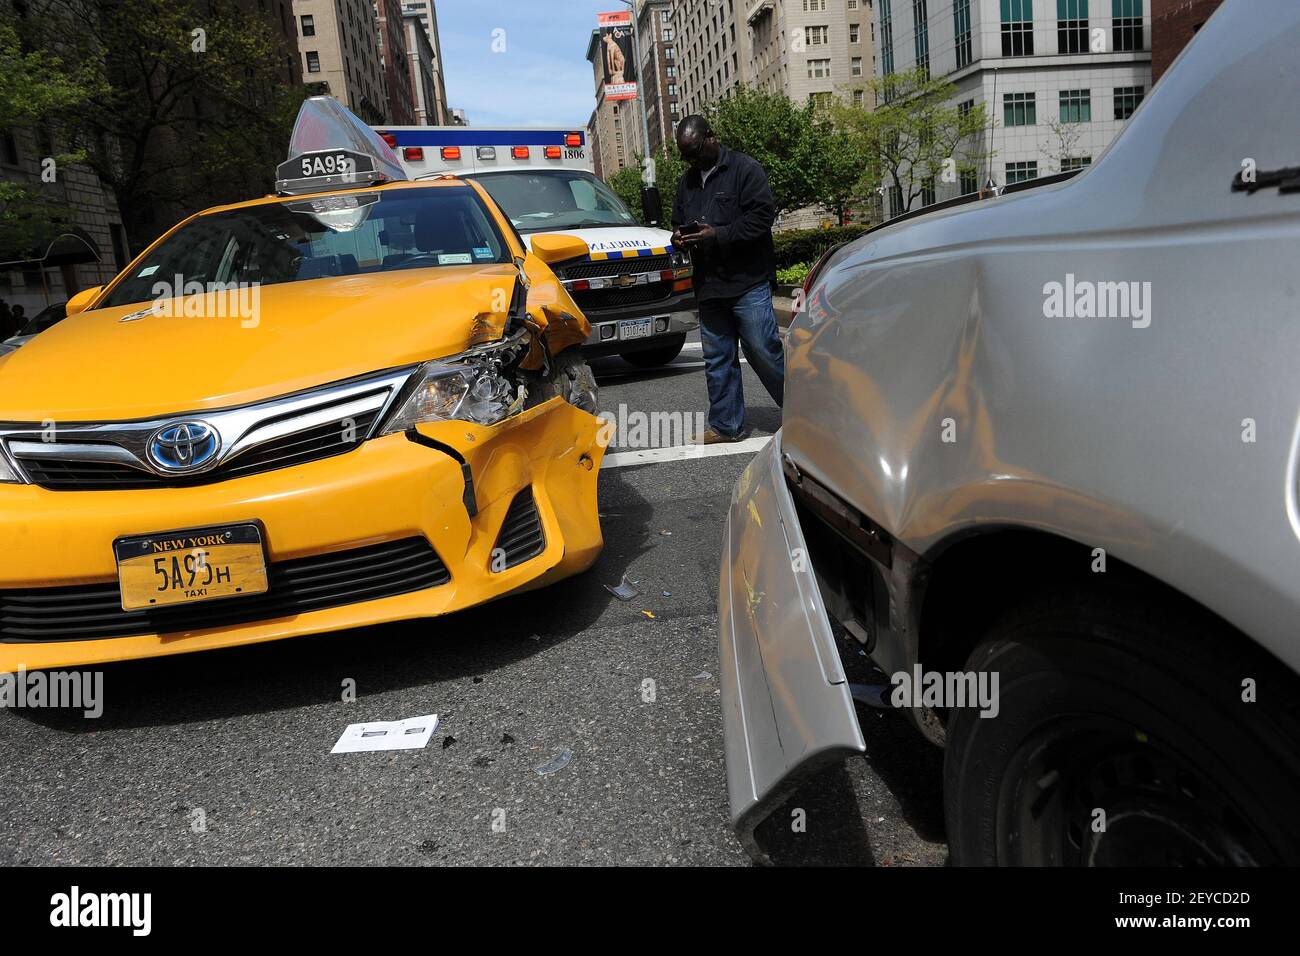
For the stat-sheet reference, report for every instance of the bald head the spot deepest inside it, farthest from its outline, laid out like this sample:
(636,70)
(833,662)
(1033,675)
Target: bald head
(696,142)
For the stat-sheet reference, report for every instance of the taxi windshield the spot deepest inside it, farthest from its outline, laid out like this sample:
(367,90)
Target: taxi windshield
(543,200)
(321,237)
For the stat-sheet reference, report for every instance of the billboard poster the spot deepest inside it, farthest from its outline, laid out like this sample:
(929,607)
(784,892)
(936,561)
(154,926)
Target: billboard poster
(616,55)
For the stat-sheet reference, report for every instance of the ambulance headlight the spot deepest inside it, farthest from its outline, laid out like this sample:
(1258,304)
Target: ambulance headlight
(681,262)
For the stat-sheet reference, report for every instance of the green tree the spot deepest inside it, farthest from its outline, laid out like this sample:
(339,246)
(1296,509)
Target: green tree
(915,134)
(37,89)
(668,169)
(193,105)
(778,132)
(842,170)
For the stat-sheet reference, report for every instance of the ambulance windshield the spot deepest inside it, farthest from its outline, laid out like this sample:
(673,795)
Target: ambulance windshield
(544,200)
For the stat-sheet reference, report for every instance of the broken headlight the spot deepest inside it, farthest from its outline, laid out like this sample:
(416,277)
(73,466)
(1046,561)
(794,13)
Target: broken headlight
(477,386)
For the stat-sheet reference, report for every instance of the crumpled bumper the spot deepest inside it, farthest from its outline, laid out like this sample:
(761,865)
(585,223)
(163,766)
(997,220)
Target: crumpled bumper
(786,706)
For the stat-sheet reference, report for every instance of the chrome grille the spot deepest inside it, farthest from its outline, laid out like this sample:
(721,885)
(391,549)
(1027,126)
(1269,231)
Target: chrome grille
(255,438)
(616,267)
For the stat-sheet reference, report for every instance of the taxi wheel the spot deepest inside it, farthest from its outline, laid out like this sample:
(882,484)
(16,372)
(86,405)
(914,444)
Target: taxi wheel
(1127,732)
(662,355)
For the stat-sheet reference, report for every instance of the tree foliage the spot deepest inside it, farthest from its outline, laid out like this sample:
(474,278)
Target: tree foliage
(191,103)
(915,133)
(668,168)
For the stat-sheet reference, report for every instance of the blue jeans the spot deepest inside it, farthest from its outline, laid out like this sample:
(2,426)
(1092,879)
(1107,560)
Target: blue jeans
(751,320)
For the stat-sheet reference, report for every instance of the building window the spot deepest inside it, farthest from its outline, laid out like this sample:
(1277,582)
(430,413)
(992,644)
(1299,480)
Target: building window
(1075,162)
(670,70)
(853,4)
(1076,106)
(968,183)
(895,201)
(961,30)
(668,34)
(886,38)
(921,38)
(964,108)
(859,97)
(816,36)
(1019,172)
(1019,109)
(1017,27)
(672,89)
(1127,99)
(313,61)
(855,31)
(855,66)
(1126,26)
(819,69)
(670,53)
(814,6)
(820,101)
(927,191)
(1071,26)
(308,26)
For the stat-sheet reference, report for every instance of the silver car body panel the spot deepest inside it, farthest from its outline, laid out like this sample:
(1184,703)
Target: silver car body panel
(930,387)
(786,702)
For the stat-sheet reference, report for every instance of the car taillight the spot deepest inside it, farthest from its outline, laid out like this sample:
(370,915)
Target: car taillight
(817,267)
(552,152)
(573,139)
(519,152)
(451,152)
(580,285)
(413,154)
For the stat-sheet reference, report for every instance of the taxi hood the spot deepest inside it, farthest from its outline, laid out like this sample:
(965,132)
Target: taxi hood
(126,362)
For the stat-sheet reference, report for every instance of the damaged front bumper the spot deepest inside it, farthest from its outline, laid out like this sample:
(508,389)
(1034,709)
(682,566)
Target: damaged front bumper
(786,705)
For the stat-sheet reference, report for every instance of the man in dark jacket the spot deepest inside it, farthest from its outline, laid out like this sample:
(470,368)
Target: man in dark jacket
(723,215)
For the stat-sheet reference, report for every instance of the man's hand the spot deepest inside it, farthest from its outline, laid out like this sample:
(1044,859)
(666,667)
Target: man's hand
(706,235)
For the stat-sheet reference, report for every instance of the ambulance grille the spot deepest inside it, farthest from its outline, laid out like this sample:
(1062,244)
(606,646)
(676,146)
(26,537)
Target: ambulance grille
(87,612)
(521,537)
(617,267)
(618,298)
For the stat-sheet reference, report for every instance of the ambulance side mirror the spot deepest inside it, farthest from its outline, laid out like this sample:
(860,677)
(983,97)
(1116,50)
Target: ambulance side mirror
(82,299)
(652,206)
(553,247)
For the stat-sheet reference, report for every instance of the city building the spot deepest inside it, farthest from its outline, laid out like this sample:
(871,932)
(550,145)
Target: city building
(810,49)
(708,37)
(593,144)
(1059,78)
(339,41)
(425,68)
(1173,24)
(617,122)
(659,80)
(397,68)
(458,118)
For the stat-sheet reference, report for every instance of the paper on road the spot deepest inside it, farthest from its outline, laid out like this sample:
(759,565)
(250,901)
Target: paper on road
(410,734)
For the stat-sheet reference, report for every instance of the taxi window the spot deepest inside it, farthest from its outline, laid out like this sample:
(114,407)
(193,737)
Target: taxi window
(300,239)
(542,200)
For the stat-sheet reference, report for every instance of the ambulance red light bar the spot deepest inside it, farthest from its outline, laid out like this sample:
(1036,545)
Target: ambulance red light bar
(451,152)
(573,139)
(552,152)
(390,139)
(413,154)
(519,152)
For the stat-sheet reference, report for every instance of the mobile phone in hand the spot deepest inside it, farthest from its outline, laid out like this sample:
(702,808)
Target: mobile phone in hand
(690,229)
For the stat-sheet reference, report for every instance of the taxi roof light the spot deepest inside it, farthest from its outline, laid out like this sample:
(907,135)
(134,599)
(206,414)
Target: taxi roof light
(331,148)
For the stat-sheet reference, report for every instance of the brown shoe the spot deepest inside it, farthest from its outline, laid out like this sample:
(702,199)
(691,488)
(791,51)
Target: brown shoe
(711,437)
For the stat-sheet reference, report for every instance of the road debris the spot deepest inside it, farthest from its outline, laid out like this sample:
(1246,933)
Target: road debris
(625,590)
(555,764)
(410,734)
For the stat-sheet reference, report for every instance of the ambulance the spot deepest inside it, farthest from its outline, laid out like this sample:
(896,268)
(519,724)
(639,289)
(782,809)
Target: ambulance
(632,285)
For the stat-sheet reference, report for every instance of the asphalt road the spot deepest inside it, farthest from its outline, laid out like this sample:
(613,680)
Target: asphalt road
(224,757)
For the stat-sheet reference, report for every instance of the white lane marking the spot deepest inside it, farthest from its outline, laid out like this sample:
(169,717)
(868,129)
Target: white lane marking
(651,456)
(680,366)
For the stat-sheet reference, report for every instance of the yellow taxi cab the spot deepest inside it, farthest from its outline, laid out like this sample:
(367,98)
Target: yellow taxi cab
(357,401)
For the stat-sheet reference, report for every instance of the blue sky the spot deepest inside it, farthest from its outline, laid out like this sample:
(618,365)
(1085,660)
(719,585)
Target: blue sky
(542,79)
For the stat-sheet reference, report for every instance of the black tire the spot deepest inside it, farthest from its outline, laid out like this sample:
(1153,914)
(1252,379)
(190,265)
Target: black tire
(1134,707)
(662,355)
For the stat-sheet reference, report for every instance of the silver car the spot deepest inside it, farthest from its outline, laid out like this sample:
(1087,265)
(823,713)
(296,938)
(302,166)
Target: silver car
(1040,462)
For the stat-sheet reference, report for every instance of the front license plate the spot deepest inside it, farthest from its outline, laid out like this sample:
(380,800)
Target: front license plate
(184,567)
(635,328)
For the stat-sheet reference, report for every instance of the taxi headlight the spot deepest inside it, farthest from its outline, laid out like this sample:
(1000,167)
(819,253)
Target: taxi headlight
(474,390)
(6,472)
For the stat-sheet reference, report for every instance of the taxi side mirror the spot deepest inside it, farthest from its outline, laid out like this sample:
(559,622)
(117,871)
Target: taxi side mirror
(82,299)
(553,247)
